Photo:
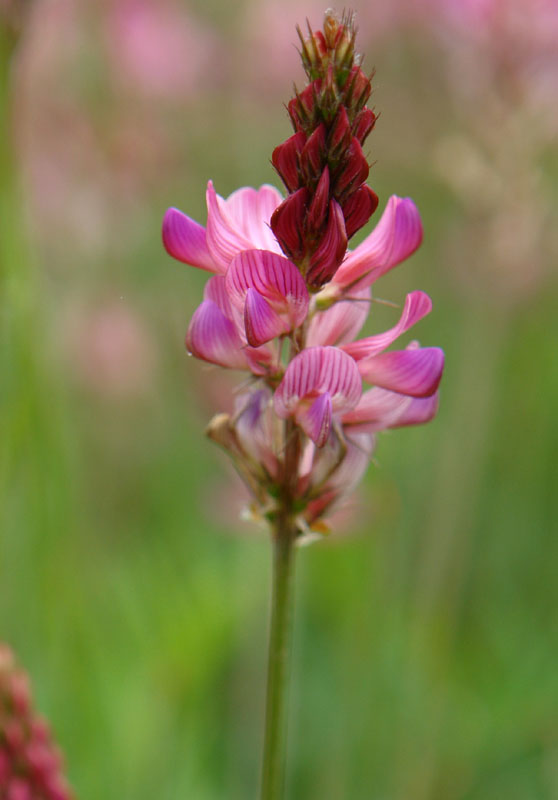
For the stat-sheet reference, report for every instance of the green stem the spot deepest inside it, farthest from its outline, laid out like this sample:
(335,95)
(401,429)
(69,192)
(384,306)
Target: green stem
(278,659)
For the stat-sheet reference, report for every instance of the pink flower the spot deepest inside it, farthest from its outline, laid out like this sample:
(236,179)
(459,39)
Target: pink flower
(287,301)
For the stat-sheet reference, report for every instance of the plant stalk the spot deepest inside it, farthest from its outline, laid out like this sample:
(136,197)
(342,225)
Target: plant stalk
(275,741)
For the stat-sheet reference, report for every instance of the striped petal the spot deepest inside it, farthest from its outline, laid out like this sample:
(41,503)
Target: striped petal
(396,236)
(213,337)
(342,322)
(261,322)
(377,410)
(274,278)
(416,372)
(315,371)
(184,239)
(419,411)
(417,306)
(251,210)
(240,223)
(224,237)
(315,420)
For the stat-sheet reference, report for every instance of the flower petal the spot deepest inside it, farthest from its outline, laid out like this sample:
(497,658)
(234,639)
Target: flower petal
(275,278)
(184,239)
(377,409)
(342,322)
(315,371)
(251,210)
(417,305)
(261,322)
(315,420)
(224,237)
(416,372)
(396,236)
(213,337)
(419,411)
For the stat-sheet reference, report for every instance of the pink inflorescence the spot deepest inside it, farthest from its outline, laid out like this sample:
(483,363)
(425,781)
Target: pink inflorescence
(30,762)
(288,299)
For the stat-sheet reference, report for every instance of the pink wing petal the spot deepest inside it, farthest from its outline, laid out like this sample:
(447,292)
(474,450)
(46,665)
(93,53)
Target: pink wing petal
(224,237)
(416,372)
(261,322)
(315,371)
(396,236)
(377,409)
(342,322)
(213,337)
(315,420)
(184,239)
(419,411)
(417,305)
(275,278)
(251,210)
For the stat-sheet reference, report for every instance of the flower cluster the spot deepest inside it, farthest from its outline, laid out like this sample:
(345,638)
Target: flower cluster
(30,763)
(287,300)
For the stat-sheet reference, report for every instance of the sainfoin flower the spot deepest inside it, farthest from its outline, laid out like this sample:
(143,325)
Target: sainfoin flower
(30,763)
(287,300)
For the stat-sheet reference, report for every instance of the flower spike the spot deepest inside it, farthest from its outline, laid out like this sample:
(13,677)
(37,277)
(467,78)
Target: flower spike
(287,299)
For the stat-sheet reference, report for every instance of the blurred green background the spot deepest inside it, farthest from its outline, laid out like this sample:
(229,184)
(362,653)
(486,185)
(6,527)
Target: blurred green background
(426,634)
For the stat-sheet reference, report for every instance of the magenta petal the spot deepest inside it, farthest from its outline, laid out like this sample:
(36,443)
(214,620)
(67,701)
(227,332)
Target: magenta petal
(223,235)
(417,305)
(315,371)
(275,278)
(419,411)
(184,239)
(396,236)
(315,420)
(262,323)
(342,322)
(416,372)
(251,211)
(213,337)
(377,409)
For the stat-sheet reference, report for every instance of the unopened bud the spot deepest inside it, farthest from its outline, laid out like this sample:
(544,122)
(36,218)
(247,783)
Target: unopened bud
(330,253)
(340,136)
(286,160)
(319,205)
(302,108)
(358,89)
(363,124)
(287,223)
(358,209)
(331,27)
(353,172)
(314,154)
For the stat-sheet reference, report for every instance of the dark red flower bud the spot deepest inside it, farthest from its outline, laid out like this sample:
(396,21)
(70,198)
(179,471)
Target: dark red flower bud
(363,124)
(328,256)
(358,209)
(302,107)
(358,89)
(287,223)
(340,135)
(314,154)
(353,171)
(318,207)
(286,160)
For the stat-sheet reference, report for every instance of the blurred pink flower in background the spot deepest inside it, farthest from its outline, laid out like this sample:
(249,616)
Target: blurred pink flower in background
(109,349)
(94,123)
(159,48)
